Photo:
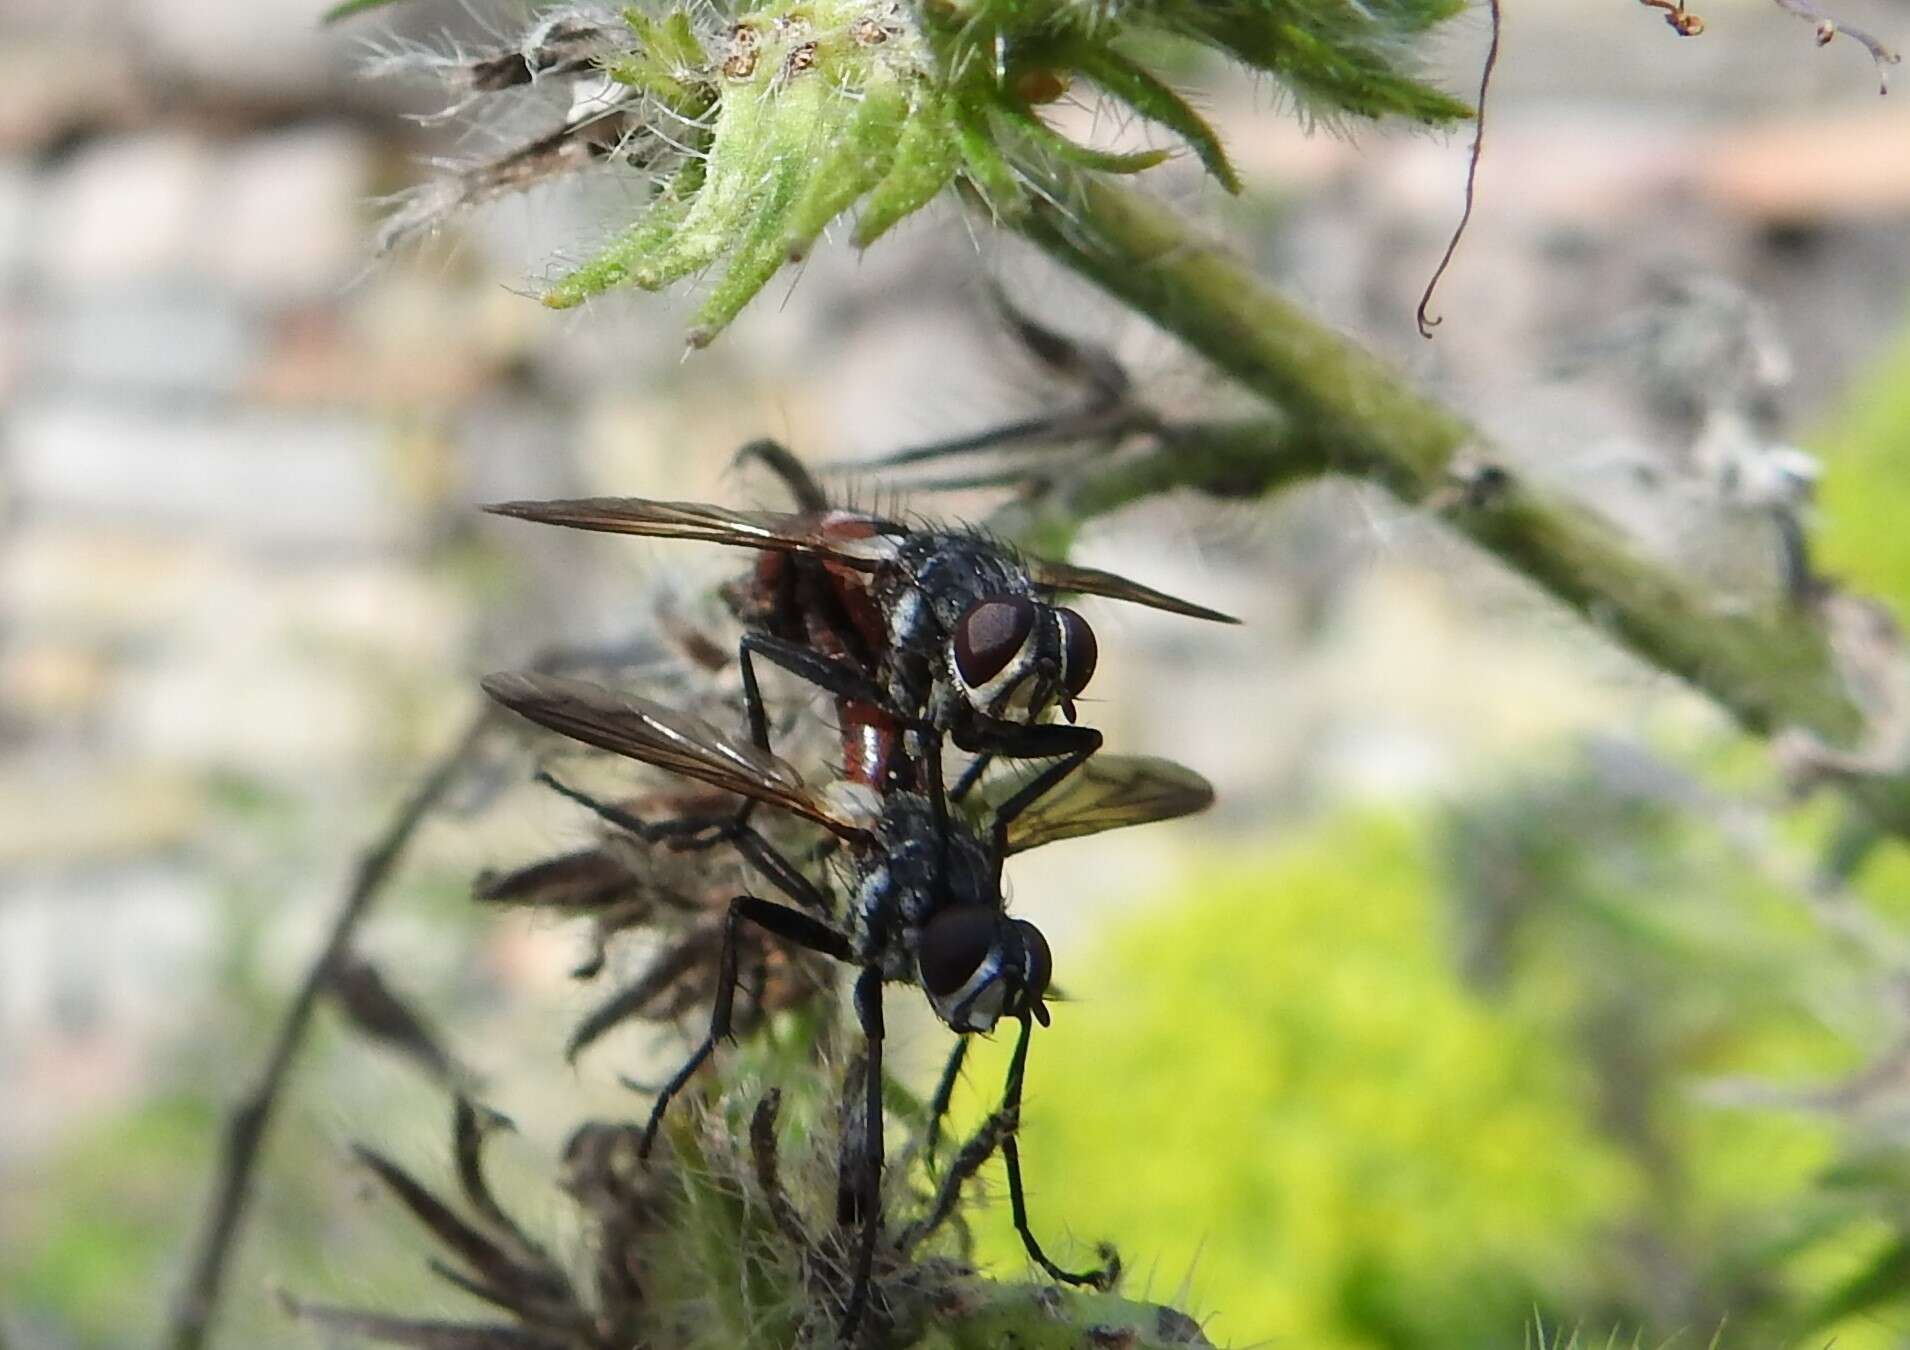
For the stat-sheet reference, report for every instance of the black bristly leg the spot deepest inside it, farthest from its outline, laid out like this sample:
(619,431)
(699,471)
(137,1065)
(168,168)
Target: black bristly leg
(868,1000)
(713,830)
(1087,740)
(846,682)
(753,707)
(779,871)
(1073,746)
(1103,1278)
(682,831)
(944,1093)
(1044,782)
(971,776)
(1017,740)
(777,920)
(775,456)
(937,789)
(840,678)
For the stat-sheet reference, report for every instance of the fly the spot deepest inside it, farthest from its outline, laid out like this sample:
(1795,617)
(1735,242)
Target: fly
(914,628)
(924,905)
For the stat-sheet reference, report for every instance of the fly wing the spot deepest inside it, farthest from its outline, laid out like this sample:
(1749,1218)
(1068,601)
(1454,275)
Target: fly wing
(635,727)
(1106,793)
(854,541)
(1060,576)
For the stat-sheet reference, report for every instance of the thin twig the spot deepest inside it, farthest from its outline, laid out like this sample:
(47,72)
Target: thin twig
(1829,28)
(1428,322)
(247,1124)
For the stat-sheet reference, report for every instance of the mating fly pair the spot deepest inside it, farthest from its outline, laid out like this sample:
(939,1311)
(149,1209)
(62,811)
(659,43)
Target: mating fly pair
(921,635)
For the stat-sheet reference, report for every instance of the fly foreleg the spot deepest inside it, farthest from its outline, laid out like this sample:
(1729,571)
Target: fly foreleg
(1106,1275)
(944,1093)
(1073,746)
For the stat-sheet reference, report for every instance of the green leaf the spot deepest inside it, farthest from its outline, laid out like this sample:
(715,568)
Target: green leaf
(860,158)
(636,247)
(984,162)
(1045,137)
(668,63)
(763,250)
(1134,85)
(926,158)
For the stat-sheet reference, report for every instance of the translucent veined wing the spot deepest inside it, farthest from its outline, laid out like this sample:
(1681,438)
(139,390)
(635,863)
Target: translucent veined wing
(635,727)
(1060,576)
(1109,792)
(862,542)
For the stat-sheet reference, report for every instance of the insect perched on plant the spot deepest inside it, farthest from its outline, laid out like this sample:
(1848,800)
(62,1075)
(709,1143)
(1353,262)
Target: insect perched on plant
(925,901)
(921,632)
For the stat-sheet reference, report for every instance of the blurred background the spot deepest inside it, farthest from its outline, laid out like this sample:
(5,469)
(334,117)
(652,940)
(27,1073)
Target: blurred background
(1506,993)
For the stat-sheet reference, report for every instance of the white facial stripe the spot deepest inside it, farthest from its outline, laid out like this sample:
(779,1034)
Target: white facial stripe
(1066,667)
(977,1004)
(1013,676)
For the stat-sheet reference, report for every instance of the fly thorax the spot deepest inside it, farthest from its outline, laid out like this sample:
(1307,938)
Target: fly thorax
(875,912)
(909,617)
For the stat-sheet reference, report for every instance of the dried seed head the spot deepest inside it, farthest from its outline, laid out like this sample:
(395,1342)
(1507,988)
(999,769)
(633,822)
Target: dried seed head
(800,59)
(739,63)
(1042,85)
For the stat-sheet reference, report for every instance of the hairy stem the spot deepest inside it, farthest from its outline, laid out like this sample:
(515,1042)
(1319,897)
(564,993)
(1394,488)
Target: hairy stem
(1771,670)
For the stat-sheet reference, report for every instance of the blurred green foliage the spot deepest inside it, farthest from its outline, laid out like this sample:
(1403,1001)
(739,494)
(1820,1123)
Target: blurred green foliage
(90,1265)
(1860,536)
(1414,1081)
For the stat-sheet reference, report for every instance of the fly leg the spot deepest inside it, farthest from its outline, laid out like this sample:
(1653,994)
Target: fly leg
(779,921)
(1106,1275)
(868,1000)
(1075,745)
(971,775)
(990,740)
(701,832)
(776,457)
(944,1092)
(846,682)
(842,679)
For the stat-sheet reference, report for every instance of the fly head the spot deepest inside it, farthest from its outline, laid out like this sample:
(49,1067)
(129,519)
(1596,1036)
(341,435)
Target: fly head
(978,965)
(1015,656)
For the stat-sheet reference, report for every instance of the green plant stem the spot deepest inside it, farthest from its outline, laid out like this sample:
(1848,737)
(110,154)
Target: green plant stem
(1042,1317)
(1771,671)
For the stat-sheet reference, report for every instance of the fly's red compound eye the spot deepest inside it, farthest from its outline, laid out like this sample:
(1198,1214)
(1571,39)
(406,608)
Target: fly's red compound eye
(990,635)
(953,946)
(1079,651)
